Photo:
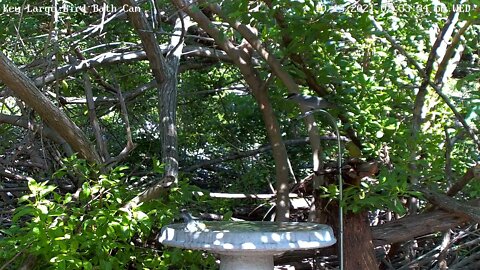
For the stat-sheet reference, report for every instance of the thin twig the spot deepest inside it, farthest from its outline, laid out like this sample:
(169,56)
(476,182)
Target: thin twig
(4,266)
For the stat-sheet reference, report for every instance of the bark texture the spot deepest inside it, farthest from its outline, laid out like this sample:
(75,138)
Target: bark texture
(26,90)
(241,57)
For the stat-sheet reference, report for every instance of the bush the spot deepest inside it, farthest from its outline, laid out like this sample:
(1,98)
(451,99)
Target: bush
(90,230)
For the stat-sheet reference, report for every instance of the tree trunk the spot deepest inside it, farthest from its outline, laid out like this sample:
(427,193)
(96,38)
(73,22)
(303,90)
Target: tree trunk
(167,103)
(279,155)
(242,59)
(358,242)
(359,250)
(165,71)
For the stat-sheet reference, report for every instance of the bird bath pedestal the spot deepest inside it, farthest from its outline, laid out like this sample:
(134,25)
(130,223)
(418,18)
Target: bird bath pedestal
(248,244)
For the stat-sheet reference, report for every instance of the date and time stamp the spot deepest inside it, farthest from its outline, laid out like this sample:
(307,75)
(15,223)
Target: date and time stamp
(395,7)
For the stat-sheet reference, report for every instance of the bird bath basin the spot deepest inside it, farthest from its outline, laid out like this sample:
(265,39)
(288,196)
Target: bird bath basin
(248,244)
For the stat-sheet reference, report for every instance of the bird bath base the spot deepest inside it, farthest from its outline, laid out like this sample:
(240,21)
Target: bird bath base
(250,262)
(248,244)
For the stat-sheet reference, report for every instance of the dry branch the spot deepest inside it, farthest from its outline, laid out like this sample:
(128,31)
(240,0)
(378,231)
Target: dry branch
(43,130)
(130,144)
(240,195)
(124,57)
(92,115)
(447,203)
(248,153)
(412,226)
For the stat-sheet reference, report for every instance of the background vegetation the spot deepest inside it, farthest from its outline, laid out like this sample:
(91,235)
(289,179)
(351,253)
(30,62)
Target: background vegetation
(111,122)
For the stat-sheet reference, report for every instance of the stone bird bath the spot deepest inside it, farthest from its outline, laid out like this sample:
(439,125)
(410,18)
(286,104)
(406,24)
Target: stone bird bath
(247,244)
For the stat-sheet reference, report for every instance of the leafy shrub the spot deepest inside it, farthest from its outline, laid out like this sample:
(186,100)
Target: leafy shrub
(91,230)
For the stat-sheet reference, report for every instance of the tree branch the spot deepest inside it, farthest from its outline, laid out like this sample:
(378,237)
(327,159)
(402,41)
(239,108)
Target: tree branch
(261,149)
(437,89)
(450,204)
(25,89)
(92,115)
(473,172)
(130,144)
(242,59)
(44,131)
(124,57)
(416,225)
(442,67)
(149,42)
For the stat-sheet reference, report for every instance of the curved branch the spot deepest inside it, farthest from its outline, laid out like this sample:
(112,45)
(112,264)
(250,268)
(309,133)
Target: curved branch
(25,89)
(242,59)
(460,184)
(125,57)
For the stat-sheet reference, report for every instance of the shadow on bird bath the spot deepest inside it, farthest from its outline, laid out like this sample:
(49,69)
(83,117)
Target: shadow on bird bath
(248,244)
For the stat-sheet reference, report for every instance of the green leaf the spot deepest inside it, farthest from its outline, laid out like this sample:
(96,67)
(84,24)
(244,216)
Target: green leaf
(228,215)
(67,198)
(86,190)
(43,208)
(36,230)
(398,207)
(23,211)
(379,134)
(158,167)
(33,186)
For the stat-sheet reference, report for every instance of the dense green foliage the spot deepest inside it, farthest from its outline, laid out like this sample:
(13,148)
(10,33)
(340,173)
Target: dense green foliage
(91,230)
(71,215)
